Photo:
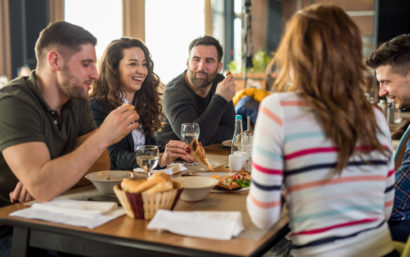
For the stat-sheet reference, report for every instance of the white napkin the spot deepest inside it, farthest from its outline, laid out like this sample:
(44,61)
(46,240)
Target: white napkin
(170,170)
(72,212)
(207,224)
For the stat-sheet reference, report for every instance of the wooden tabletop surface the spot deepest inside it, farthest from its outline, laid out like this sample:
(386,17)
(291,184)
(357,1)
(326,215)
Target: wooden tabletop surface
(246,244)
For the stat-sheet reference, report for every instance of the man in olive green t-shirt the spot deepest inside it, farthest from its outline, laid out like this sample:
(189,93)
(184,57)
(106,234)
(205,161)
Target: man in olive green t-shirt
(48,139)
(26,117)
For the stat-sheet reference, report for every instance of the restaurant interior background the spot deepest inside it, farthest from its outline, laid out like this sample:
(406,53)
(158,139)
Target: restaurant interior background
(167,27)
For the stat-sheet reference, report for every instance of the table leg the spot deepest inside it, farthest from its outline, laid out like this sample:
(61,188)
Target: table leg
(20,242)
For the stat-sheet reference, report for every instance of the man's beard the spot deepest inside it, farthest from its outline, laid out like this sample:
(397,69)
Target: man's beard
(70,86)
(202,82)
(77,92)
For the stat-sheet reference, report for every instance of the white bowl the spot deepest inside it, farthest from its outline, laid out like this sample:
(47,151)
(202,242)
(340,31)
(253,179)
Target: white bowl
(196,188)
(105,180)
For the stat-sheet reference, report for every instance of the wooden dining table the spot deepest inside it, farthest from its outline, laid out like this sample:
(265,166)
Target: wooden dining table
(125,236)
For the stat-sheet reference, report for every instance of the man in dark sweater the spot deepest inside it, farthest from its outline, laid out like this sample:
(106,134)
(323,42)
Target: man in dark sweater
(200,94)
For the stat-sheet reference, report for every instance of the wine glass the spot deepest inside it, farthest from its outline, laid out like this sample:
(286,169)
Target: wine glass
(189,131)
(147,157)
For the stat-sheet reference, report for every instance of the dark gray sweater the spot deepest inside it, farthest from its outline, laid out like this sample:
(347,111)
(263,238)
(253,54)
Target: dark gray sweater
(215,116)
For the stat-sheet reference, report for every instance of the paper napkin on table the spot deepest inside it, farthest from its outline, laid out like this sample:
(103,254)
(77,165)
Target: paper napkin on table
(72,212)
(207,224)
(170,170)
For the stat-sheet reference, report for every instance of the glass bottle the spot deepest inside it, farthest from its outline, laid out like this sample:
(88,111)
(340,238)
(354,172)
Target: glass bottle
(237,135)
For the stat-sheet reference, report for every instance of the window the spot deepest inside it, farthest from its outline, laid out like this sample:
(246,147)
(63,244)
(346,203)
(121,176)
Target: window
(169,28)
(168,31)
(101,17)
(237,32)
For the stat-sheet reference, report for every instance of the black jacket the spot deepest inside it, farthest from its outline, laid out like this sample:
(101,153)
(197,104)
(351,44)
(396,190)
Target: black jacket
(122,154)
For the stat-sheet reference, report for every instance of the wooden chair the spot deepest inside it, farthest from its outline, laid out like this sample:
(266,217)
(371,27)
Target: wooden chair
(102,163)
(403,248)
(406,250)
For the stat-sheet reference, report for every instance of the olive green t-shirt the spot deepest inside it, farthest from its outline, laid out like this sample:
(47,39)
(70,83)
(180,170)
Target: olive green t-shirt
(26,117)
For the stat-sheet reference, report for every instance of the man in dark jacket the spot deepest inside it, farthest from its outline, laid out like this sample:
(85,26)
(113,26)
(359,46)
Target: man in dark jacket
(201,95)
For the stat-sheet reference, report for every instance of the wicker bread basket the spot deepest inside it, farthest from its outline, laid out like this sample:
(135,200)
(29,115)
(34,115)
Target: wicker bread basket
(145,205)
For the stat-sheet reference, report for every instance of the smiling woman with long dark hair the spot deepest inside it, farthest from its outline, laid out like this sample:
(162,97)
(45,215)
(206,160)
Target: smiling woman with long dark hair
(127,76)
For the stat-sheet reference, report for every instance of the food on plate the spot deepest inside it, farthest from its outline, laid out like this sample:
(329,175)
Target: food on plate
(158,182)
(233,182)
(242,178)
(226,183)
(198,153)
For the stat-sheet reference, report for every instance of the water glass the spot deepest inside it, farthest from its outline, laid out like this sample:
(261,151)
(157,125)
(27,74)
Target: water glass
(147,157)
(189,131)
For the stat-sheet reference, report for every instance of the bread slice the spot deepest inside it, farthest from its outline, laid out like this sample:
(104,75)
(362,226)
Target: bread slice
(198,153)
(141,185)
(129,184)
(160,187)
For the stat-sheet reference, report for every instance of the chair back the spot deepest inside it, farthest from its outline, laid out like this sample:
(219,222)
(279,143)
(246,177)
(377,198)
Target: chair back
(406,251)
(402,248)
(102,163)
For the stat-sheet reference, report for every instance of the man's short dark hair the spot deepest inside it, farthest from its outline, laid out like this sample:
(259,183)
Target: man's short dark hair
(64,34)
(395,52)
(208,41)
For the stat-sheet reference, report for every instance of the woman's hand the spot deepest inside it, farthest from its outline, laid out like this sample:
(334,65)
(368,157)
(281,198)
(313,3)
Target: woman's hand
(173,150)
(20,194)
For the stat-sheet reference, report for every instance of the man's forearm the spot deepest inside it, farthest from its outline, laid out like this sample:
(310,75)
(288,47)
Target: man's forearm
(45,178)
(71,167)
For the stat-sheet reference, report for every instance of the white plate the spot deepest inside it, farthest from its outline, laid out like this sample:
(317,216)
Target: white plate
(209,174)
(227,143)
(223,191)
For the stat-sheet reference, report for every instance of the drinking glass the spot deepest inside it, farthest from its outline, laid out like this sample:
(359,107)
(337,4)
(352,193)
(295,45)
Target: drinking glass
(189,131)
(147,157)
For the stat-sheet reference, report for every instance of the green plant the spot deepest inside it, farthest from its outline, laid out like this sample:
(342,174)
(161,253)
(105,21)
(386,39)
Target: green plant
(260,60)
(233,66)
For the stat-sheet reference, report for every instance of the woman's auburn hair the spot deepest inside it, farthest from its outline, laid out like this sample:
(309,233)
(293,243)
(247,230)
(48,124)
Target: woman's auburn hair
(320,58)
(107,89)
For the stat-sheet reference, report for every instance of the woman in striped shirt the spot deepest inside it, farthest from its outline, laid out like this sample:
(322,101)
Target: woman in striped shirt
(320,142)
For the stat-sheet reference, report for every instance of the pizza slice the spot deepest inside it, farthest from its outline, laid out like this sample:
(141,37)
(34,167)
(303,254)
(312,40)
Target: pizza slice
(198,153)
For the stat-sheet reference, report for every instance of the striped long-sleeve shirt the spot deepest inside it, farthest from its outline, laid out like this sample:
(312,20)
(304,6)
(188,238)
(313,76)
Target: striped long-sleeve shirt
(330,214)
